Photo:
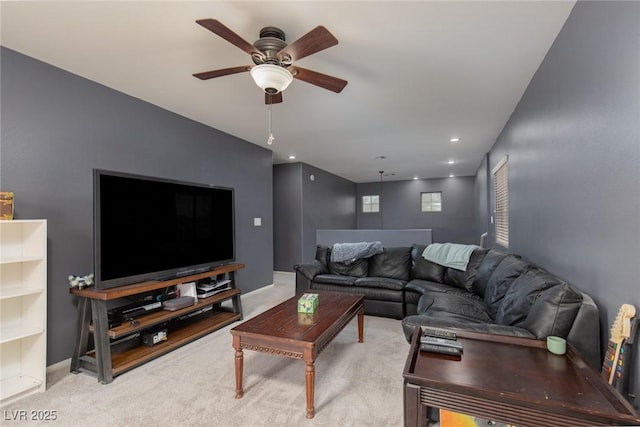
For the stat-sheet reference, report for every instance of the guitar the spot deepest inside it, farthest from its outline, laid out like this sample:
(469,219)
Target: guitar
(620,331)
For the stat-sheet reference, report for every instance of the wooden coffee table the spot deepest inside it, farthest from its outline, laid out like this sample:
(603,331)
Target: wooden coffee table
(282,331)
(511,380)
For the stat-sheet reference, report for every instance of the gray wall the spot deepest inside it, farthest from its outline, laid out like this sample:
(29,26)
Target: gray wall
(57,127)
(574,158)
(400,208)
(329,202)
(287,216)
(301,206)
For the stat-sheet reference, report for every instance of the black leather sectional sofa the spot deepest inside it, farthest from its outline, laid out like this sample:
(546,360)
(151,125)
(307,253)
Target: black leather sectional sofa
(498,293)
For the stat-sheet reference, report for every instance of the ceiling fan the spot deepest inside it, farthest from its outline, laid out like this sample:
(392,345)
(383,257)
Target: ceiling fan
(273,58)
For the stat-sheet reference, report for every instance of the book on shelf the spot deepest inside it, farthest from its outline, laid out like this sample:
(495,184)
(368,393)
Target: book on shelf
(441,349)
(441,341)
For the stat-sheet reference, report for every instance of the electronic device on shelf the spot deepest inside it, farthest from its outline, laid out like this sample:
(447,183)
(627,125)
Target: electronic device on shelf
(138,311)
(178,303)
(206,290)
(157,229)
(154,336)
(213,285)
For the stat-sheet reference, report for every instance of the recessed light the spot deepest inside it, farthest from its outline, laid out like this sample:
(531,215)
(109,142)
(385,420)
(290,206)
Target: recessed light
(455,139)
(292,157)
(451,162)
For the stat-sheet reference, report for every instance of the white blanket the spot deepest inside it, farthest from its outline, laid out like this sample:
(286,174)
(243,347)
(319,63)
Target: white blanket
(451,255)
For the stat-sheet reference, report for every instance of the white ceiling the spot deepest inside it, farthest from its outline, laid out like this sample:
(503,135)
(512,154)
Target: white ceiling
(419,72)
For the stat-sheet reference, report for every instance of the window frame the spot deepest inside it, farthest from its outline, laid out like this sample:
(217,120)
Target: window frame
(370,204)
(422,204)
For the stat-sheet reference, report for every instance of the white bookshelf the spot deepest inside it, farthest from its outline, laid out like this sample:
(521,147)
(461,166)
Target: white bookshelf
(23,308)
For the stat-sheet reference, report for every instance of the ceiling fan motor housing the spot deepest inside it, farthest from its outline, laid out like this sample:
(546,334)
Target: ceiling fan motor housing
(272,32)
(271,42)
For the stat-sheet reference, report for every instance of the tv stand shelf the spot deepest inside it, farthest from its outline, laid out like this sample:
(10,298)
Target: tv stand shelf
(107,363)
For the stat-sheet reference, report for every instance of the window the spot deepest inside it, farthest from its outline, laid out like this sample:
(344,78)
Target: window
(431,202)
(501,194)
(371,203)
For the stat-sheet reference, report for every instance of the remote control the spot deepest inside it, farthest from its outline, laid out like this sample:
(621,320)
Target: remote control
(441,349)
(441,341)
(439,333)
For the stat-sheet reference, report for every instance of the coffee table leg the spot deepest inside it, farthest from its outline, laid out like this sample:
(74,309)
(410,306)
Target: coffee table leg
(361,325)
(310,375)
(239,363)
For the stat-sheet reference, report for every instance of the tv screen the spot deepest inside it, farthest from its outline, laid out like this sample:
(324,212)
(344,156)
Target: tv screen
(154,229)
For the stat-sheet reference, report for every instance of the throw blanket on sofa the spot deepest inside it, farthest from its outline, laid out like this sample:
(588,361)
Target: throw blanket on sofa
(350,252)
(451,255)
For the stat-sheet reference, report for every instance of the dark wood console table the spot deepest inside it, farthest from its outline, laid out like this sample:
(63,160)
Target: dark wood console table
(511,380)
(93,319)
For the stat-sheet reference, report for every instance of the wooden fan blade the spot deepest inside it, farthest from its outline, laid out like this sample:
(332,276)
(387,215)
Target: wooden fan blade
(325,81)
(273,99)
(206,75)
(314,41)
(223,31)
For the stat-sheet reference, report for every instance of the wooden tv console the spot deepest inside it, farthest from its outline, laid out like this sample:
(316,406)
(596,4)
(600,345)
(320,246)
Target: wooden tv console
(107,362)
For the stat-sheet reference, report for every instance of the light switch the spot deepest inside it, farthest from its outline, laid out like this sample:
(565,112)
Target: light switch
(257,222)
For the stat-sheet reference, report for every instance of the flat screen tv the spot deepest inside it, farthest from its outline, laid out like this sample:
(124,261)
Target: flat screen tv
(155,229)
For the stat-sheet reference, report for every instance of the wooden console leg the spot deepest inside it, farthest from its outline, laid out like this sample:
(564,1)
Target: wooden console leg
(361,325)
(310,375)
(239,363)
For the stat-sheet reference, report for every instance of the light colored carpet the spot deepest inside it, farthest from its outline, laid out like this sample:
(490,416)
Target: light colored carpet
(356,384)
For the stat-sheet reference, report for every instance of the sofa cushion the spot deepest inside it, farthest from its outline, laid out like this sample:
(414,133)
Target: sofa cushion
(423,269)
(377,294)
(459,306)
(522,294)
(464,279)
(554,312)
(394,263)
(380,283)
(358,268)
(424,286)
(335,279)
(509,269)
(485,270)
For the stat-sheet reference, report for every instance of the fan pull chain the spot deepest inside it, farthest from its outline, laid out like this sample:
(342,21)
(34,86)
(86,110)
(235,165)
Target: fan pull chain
(271,138)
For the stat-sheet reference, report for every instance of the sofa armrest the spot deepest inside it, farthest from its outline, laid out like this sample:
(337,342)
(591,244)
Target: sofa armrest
(305,274)
(585,332)
(309,271)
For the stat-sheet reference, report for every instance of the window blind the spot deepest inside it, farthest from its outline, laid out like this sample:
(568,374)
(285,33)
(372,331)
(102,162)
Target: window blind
(501,193)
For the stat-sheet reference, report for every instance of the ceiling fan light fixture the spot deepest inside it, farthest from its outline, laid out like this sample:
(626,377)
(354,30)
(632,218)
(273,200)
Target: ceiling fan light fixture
(271,78)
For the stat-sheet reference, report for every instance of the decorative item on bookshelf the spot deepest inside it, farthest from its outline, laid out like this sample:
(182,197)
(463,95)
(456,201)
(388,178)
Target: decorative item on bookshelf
(80,281)
(6,205)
